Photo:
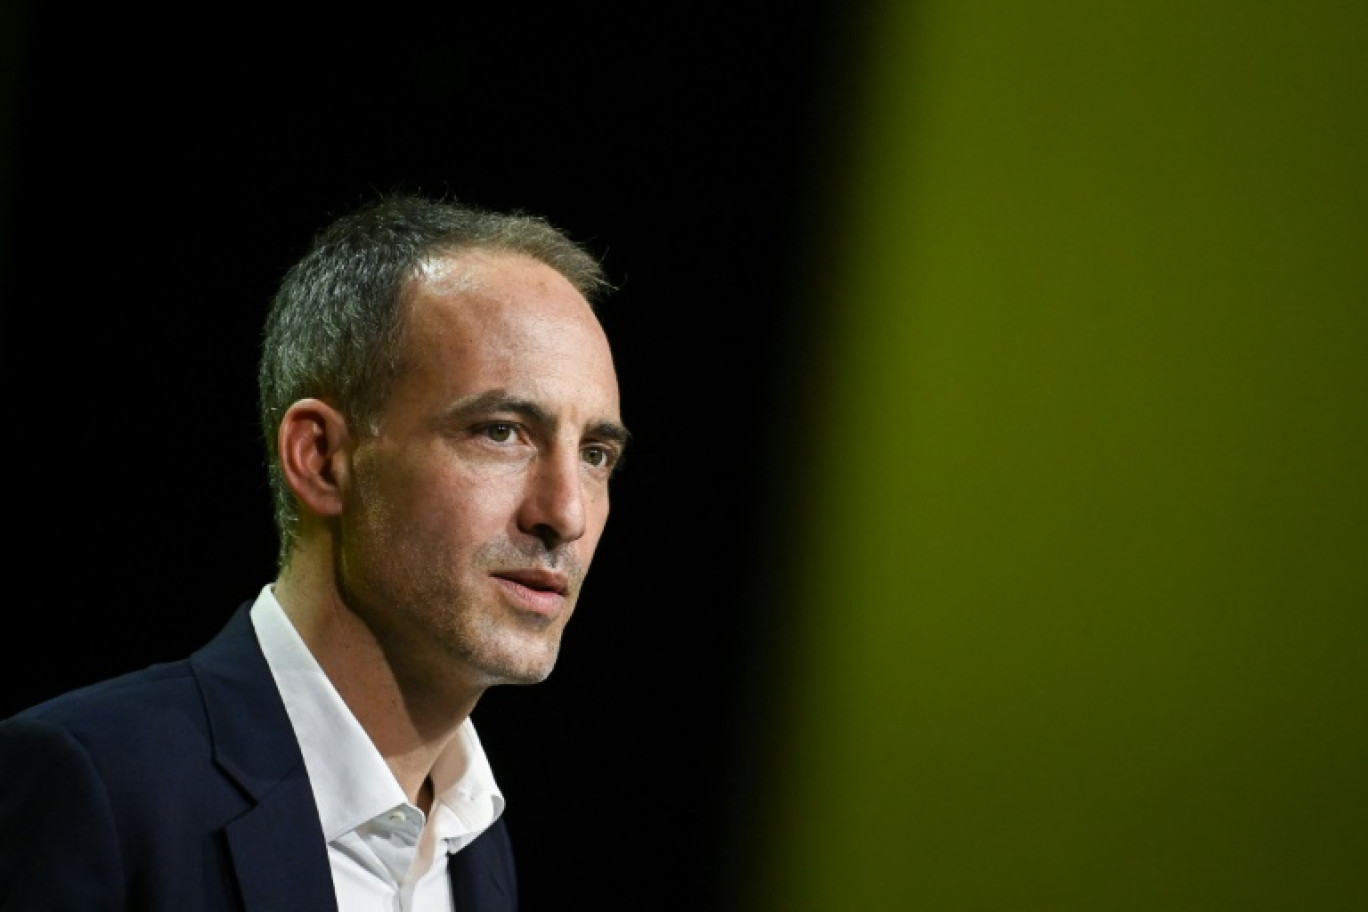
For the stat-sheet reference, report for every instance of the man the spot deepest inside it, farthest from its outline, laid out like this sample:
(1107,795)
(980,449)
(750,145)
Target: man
(441,417)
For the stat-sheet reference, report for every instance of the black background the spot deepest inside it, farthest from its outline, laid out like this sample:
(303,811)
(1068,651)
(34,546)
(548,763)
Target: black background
(163,166)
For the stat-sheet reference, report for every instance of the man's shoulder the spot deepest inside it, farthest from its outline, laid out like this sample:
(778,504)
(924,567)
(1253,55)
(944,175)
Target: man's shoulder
(148,705)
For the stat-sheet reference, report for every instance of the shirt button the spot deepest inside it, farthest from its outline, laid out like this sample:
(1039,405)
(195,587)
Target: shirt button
(397,817)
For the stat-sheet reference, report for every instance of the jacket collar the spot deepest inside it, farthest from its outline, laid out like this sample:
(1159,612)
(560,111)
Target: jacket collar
(277,846)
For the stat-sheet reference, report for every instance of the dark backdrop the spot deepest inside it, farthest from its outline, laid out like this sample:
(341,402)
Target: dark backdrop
(162,167)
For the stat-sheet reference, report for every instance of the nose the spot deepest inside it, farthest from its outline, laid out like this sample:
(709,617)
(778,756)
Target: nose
(553,508)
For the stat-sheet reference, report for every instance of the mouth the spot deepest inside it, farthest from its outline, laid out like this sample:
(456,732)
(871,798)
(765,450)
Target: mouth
(536,579)
(533,589)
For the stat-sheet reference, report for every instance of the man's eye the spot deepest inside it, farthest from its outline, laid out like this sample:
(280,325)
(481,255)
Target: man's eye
(598,457)
(500,433)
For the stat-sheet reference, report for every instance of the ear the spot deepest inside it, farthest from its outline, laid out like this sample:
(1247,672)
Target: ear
(314,454)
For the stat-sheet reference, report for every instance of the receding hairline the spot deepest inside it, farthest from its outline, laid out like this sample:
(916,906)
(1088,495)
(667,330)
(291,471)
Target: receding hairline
(465,276)
(534,237)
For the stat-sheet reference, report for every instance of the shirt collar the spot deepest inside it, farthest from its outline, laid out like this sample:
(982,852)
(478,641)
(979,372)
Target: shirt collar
(351,782)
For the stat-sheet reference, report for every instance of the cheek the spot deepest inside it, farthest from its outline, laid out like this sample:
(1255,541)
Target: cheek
(409,499)
(457,506)
(427,495)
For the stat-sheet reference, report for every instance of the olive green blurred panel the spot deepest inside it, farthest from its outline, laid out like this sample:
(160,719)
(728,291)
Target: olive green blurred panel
(1084,591)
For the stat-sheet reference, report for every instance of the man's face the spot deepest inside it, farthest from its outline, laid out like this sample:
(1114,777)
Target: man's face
(473,513)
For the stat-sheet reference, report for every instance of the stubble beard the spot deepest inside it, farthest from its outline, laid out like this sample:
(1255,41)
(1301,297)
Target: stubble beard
(435,622)
(483,633)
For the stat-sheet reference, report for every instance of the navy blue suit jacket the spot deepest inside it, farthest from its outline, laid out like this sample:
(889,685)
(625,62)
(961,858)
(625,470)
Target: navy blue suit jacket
(181,788)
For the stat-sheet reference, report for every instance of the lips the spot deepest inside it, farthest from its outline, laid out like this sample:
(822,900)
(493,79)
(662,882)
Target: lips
(537,579)
(534,592)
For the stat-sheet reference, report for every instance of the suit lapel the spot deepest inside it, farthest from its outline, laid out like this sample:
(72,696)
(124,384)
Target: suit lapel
(277,846)
(482,874)
(281,866)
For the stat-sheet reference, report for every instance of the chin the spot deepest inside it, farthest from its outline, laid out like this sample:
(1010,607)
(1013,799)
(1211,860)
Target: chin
(525,680)
(523,666)
(518,676)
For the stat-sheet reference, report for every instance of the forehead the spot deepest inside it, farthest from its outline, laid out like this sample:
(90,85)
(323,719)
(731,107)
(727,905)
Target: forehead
(482,320)
(483,285)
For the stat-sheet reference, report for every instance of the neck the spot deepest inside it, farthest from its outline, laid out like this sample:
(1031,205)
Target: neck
(409,719)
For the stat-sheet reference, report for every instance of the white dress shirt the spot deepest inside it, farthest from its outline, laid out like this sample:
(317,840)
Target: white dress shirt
(386,856)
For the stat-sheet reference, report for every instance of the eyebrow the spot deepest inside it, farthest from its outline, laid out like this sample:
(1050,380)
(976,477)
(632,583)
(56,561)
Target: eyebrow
(611,431)
(532,413)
